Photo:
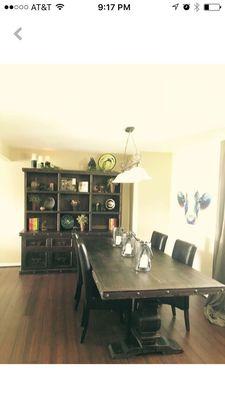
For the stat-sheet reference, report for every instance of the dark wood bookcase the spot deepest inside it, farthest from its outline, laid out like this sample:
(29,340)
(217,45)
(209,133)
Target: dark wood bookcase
(49,248)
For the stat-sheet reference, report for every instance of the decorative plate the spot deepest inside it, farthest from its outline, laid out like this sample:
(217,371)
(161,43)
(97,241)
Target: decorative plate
(49,203)
(110,204)
(67,221)
(107,162)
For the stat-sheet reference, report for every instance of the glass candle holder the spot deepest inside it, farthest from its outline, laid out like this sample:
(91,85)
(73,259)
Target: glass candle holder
(40,162)
(34,161)
(47,162)
(144,257)
(117,237)
(128,249)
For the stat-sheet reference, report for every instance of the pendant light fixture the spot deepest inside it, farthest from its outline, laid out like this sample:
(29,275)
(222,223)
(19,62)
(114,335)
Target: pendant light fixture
(131,170)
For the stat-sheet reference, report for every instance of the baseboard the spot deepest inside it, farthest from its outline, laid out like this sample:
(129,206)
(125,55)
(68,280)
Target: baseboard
(8,265)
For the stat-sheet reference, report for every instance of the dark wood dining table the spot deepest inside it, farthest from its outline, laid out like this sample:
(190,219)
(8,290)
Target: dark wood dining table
(116,279)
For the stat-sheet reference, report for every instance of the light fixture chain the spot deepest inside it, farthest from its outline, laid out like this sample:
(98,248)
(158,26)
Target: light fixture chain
(125,151)
(135,146)
(125,157)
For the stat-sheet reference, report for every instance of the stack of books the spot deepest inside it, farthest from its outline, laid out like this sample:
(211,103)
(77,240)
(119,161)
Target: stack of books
(33,224)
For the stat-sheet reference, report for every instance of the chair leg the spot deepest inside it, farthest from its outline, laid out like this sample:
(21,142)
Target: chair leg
(77,296)
(128,323)
(186,319)
(85,325)
(173,311)
(83,317)
(121,317)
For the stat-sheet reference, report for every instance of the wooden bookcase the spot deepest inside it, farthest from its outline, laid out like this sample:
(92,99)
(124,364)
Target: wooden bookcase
(50,247)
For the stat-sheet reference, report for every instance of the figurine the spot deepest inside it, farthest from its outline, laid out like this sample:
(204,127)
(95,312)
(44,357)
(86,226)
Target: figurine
(91,164)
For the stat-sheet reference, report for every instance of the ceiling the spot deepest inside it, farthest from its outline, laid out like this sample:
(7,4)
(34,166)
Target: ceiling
(87,107)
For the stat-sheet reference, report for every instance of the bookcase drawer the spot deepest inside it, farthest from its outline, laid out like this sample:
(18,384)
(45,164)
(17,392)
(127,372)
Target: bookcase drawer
(36,242)
(62,242)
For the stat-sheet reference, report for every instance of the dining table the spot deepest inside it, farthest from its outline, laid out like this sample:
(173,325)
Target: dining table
(117,279)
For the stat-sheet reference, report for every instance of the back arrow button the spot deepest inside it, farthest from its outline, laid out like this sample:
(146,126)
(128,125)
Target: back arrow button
(17,34)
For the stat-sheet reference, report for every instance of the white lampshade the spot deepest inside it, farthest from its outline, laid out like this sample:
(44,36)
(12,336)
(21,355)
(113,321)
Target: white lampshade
(133,175)
(122,177)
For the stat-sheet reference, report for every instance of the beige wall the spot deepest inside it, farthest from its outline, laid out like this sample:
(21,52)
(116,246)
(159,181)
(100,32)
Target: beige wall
(195,168)
(12,197)
(4,151)
(152,198)
(11,211)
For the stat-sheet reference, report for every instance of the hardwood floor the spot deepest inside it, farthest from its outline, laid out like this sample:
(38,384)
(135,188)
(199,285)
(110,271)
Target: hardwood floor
(38,324)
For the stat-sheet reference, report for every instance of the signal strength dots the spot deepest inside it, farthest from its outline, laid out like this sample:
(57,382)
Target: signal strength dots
(60,6)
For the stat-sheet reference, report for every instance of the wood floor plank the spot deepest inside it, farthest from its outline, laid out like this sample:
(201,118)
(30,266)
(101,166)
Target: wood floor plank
(38,324)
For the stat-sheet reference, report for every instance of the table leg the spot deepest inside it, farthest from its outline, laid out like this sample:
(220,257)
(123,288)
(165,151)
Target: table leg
(143,335)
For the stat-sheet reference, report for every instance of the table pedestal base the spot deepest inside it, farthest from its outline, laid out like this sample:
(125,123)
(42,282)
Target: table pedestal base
(162,345)
(142,337)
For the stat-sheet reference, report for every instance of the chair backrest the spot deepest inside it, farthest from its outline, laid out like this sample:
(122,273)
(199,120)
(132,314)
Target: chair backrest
(76,239)
(184,252)
(85,270)
(158,240)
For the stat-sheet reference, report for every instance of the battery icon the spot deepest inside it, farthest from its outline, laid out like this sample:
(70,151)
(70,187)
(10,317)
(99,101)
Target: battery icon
(212,7)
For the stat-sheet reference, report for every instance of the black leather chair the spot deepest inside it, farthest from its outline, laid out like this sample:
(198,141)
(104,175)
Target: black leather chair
(183,252)
(79,283)
(92,299)
(158,241)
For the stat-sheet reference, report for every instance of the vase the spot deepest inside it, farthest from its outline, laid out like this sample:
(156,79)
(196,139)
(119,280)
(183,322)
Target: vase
(34,184)
(82,227)
(112,223)
(75,205)
(112,188)
(34,206)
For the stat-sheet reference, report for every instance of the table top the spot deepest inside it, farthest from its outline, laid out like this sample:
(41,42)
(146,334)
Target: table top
(116,278)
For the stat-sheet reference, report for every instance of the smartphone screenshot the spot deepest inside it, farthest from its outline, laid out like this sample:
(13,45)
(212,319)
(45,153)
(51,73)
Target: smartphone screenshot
(112,192)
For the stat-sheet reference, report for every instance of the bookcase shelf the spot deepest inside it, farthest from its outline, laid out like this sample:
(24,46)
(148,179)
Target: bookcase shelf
(105,212)
(105,194)
(42,191)
(41,212)
(73,192)
(74,212)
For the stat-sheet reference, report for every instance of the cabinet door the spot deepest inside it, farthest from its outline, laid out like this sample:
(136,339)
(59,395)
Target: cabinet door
(35,260)
(61,260)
